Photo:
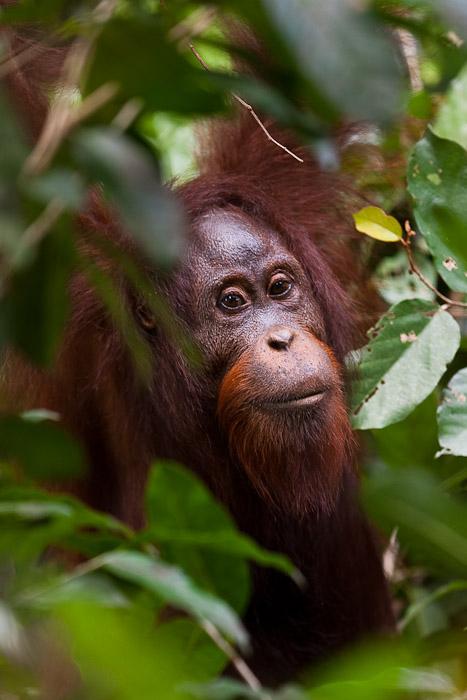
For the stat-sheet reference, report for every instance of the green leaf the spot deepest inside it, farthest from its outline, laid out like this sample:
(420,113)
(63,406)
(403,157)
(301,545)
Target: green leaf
(35,308)
(153,68)
(121,654)
(131,181)
(454,13)
(452,416)
(395,282)
(62,183)
(407,355)
(450,122)
(227,689)
(42,448)
(375,223)
(412,441)
(437,177)
(194,532)
(419,606)
(346,53)
(176,589)
(431,524)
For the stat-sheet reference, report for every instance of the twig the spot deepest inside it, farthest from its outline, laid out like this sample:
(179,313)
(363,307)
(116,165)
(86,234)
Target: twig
(60,117)
(409,50)
(240,665)
(250,109)
(195,24)
(127,114)
(407,244)
(34,233)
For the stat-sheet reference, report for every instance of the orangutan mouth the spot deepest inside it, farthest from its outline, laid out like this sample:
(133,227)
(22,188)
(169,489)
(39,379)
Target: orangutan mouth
(297,402)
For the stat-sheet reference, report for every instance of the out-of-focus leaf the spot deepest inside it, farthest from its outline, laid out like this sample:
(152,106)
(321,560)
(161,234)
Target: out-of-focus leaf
(117,306)
(452,416)
(418,606)
(43,449)
(437,176)
(407,355)
(35,308)
(454,13)
(431,524)
(176,589)
(34,503)
(14,147)
(13,151)
(375,223)
(395,282)
(412,442)
(191,650)
(364,673)
(345,53)
(65,184)
(197,534)
(29,11)
(420,105)
(92,588)
(153,68)
(226,689)
(120,656)
(131,181)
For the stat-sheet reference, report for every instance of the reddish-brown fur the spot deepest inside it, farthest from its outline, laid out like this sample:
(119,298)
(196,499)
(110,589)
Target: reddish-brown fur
(123,425)
(301,474)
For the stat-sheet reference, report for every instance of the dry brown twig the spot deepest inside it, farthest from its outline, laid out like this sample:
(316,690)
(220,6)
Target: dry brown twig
(195,24)
(407,245)
(250,109)
(63,114)
(409,50)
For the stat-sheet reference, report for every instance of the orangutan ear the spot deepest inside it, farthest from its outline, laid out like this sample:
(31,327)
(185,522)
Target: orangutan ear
(145,317)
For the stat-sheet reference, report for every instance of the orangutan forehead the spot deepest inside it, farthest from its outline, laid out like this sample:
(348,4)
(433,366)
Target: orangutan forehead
(231,236)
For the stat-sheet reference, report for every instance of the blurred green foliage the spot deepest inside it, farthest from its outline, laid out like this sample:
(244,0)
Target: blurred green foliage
(86,628)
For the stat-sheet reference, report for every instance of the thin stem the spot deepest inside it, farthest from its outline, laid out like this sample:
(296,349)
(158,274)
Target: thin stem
(60,118)
(450,302)
(244,671)
(247,106)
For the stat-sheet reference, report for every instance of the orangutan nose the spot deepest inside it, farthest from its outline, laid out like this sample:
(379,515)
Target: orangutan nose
(280,338)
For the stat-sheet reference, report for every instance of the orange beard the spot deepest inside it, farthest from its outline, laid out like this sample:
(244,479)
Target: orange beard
(295,460)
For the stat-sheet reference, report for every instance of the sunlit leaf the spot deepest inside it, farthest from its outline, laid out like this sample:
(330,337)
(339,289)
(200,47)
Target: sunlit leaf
(375,223)
(452,416)
(407,355)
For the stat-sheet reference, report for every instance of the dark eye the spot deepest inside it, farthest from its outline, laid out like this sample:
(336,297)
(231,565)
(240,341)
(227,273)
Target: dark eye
(279,286)
(232,300)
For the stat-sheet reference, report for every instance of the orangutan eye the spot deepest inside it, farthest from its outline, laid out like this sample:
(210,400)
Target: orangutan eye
(232,299)
(279,286)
